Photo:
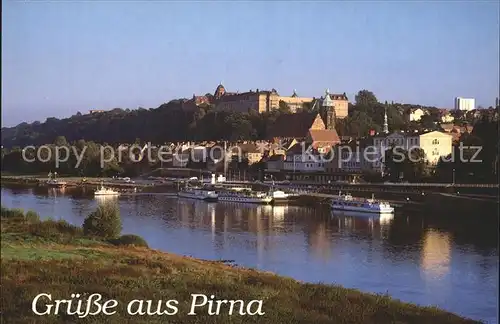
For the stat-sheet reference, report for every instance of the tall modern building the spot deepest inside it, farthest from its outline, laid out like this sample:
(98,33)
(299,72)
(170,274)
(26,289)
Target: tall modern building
(465,103)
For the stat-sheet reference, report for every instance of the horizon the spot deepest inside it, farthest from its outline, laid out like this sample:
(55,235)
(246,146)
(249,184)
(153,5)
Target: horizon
(60,58)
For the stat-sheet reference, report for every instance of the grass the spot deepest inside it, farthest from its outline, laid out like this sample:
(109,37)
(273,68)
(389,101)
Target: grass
(57,258)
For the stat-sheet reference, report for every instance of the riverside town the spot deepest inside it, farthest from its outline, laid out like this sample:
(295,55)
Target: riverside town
(350,179)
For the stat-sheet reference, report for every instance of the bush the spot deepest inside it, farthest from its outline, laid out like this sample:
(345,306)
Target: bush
(105,222)
(51,228)
(130,239)
(12,213)
(32,216)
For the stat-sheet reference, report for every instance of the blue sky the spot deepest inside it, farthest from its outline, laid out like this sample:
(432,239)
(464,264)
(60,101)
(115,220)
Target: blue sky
(60,57)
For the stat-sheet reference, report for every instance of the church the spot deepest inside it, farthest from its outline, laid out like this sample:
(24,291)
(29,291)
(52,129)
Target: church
(308,127)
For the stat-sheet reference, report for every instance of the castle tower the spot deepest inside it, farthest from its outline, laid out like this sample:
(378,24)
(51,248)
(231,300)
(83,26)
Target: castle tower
(329,106)
(386,125)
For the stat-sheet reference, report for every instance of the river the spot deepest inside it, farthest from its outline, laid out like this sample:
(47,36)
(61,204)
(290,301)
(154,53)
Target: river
(424,259)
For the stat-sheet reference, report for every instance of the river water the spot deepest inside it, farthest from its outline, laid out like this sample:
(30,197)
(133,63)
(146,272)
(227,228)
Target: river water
(452,264)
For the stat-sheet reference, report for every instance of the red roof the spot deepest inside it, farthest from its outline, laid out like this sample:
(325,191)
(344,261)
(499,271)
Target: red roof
(292,125)
(326,136)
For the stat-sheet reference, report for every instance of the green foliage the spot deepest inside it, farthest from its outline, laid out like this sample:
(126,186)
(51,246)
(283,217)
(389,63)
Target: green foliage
(482,145)
(104,222)
(54,229)
(130,239)
(365,98)
(32,216)
(400,164)
(12,213)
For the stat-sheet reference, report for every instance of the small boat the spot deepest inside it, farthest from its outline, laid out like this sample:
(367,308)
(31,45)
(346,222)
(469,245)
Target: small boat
(348,203)
(106,192)
(198,193)
(279,197)
(246,197)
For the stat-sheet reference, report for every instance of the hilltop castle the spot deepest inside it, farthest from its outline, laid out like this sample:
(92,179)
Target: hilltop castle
(267,100)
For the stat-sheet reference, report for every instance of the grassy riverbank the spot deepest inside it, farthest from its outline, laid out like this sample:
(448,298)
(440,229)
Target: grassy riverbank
(57,258)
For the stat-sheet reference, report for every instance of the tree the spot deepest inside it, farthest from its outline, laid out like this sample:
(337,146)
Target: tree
(365,98)
(284,107)
(405,165)
(104,222)
(427,122)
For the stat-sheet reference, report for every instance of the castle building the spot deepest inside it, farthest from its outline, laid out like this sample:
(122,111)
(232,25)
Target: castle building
(267,100)
(339,103)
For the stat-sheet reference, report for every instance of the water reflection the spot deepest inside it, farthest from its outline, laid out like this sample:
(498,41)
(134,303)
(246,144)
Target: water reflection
(453,265)
(436,253)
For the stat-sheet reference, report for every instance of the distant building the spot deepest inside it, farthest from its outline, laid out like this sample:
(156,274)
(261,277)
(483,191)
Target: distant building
(250,151)
(351,157)
(446,116)
(304,126)
(261,101)
(416,114)
(96,111)
(294,102)
(275,162)
(195,102)
(297,160)
(435,145)
(339,103)
(466,104)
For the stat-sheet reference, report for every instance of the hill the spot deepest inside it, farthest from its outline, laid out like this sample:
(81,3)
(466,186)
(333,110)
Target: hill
(170,122)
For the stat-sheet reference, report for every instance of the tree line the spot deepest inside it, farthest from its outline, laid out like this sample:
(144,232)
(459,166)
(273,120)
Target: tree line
(170,122)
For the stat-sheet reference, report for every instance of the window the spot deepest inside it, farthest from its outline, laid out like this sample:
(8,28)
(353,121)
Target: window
(435,141)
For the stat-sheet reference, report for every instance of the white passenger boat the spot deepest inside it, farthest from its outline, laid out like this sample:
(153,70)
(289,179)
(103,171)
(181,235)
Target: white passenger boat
(105,192)
(279,197)
(348,203)
(244,197)
(199,194)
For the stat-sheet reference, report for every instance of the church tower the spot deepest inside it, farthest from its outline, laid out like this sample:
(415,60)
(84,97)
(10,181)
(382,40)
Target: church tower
(386,125)
(328,105)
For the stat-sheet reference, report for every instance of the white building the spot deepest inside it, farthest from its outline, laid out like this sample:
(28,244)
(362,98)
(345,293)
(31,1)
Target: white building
(416,114)
(298,161)
(434,144)
(466,104)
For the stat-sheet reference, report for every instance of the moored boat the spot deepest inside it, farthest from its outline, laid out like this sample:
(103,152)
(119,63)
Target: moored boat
(279,197)
(348,203)
(199,194)
(246,197)
(103,191)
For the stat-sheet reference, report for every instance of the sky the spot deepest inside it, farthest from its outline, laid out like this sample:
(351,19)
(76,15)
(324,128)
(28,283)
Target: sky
(61,57)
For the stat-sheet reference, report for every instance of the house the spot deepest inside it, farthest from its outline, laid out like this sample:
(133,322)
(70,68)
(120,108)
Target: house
(275,162)
(435,145)
(251,152)
(446,116)
(415,114)
(322,139)
(458,131)
(299,159)
(447,127)
(353,157)
(304,126)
